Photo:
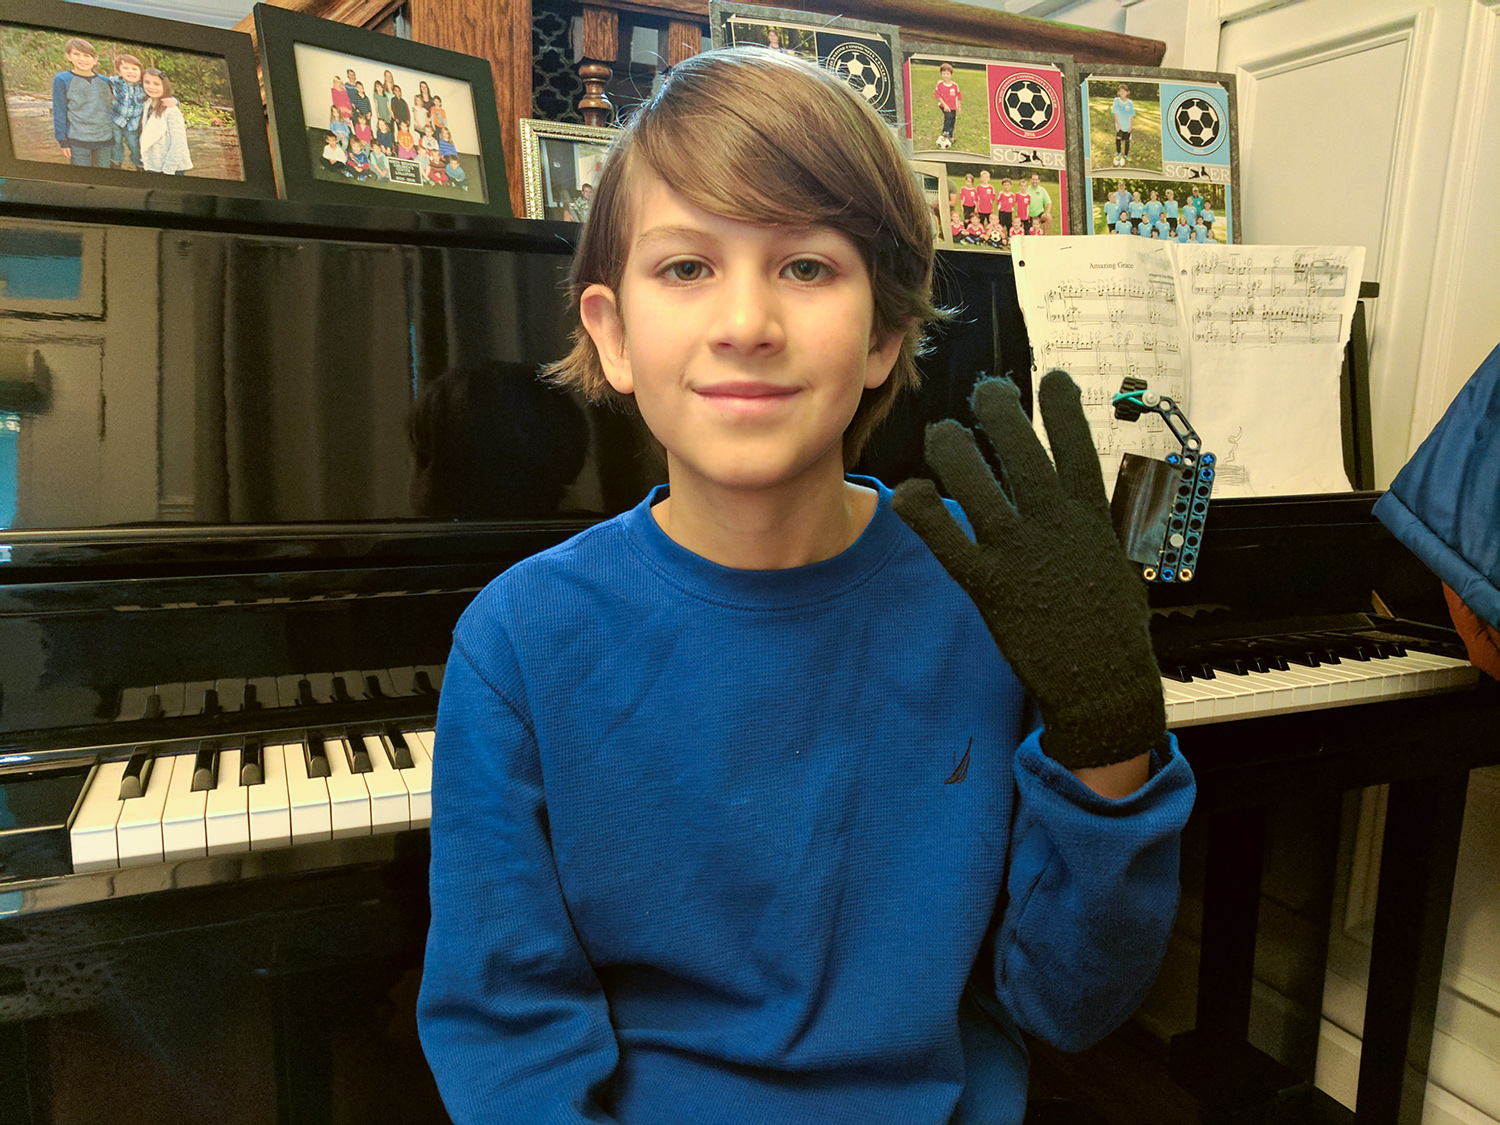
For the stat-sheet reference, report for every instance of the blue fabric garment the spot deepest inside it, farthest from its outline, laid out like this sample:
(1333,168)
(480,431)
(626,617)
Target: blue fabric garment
(717,846)
(1445,504)
(130,101)
(82,110)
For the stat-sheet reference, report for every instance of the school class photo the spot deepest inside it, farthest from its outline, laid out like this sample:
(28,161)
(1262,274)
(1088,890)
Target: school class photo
(388,128)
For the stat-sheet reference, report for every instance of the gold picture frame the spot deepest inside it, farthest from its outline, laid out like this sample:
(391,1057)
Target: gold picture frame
(559,162)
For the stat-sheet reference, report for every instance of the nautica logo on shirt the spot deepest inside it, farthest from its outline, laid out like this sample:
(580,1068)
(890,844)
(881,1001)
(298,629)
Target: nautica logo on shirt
(962,770)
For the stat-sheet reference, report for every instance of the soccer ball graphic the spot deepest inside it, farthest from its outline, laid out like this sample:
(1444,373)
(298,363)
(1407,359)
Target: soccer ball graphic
(862,69)
(944,141)
(1028,105)
(1197,122)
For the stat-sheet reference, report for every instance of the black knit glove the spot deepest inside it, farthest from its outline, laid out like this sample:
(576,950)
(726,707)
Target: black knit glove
(1052,583)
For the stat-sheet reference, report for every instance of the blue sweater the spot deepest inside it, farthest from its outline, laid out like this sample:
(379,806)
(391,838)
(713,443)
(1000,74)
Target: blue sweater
(721,846)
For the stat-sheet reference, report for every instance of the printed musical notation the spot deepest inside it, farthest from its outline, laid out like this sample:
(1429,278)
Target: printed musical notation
(1259,299)
(1233,333)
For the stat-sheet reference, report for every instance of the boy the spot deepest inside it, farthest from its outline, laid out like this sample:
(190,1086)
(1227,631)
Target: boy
(129,102)
(359,101)
(968,196)
(357,160)
(984,202)
(83,108)
(456,174)
(1005,204)
(334,157)
(950,100)
(1169,211)
(1124,111)
(738,812)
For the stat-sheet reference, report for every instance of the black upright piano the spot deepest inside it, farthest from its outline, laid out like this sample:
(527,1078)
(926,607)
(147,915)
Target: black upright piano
(255,459)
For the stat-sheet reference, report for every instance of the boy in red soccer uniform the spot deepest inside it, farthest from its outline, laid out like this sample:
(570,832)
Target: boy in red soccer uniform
(1023,211)
(986,198)
(968,196)
(1005,205)
(950,100)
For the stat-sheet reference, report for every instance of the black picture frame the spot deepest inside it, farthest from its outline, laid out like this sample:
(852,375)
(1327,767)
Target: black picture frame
(18,106)
(280,33)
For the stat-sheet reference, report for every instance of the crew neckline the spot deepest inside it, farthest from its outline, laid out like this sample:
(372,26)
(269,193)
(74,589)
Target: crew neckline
(786,588)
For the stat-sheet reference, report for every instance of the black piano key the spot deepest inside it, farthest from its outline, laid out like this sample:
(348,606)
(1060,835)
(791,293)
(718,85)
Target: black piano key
(211,703)
(424,684)
(357,755)
(153,706)
(341,691)
(250,699)
(305,696)
(252,763)
(316,756)
(372,683)
(137,775)
(206,766)
(400,751)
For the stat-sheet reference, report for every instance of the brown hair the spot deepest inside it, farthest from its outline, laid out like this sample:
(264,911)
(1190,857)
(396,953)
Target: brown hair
(166,89)
(788,144)
(79,45)
(121,60)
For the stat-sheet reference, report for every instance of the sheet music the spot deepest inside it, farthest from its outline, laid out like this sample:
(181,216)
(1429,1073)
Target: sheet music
(1248,340)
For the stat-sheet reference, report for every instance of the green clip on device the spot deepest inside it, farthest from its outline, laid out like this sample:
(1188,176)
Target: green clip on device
(1159,507)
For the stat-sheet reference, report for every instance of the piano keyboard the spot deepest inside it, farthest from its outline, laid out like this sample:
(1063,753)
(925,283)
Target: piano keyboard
(1297,687)
(251,796)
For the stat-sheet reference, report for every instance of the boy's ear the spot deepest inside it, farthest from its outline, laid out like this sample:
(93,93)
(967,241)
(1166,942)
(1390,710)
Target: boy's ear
(599,311)
(883,355)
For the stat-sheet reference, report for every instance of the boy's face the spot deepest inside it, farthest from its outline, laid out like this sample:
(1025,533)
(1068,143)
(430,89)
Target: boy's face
(945,72)
(128,71)
(747,347)
(984,177)
(349,74)
(81,61)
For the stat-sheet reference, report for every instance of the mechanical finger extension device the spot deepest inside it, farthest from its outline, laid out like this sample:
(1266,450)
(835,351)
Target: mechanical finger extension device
(1159,507)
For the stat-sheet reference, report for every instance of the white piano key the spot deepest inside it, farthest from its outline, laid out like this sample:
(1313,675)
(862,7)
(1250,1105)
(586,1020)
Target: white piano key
(269,805)
(227,812)
(1187,703)
(267,691)
(347,794)
(403,680)
(322,686)
(312,817)
(434,674)
(138,830)
(184,833)
(91,832)
(194,692)
(419,777)
(390,801)
(286,690)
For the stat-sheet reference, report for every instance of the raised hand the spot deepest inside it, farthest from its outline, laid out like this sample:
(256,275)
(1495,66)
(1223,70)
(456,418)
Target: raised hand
(1047,574)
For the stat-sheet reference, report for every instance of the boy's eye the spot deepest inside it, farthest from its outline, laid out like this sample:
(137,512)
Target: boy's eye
(806,269)
(687,270)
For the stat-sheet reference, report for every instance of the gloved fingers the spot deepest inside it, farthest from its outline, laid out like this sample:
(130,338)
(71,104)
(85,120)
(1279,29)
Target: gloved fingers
(997,404)
(966,475)
(917,502)
(1072,442)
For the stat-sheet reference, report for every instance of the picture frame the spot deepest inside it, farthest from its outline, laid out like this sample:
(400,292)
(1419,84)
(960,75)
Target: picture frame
(1184,139)
(557,158)
(866,55)
(445,91)
(211,141)
(1027,130)
(52,272)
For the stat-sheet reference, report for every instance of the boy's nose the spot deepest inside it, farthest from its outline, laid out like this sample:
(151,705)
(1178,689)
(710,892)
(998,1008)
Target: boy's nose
(748,317)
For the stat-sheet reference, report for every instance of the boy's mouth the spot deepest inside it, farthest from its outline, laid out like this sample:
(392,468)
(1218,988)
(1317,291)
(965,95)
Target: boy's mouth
(745,396)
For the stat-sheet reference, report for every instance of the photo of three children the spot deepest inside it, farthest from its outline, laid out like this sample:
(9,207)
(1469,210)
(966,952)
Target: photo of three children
(120,105)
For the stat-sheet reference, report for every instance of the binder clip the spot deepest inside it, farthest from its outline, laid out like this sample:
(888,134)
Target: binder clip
(1159,507)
